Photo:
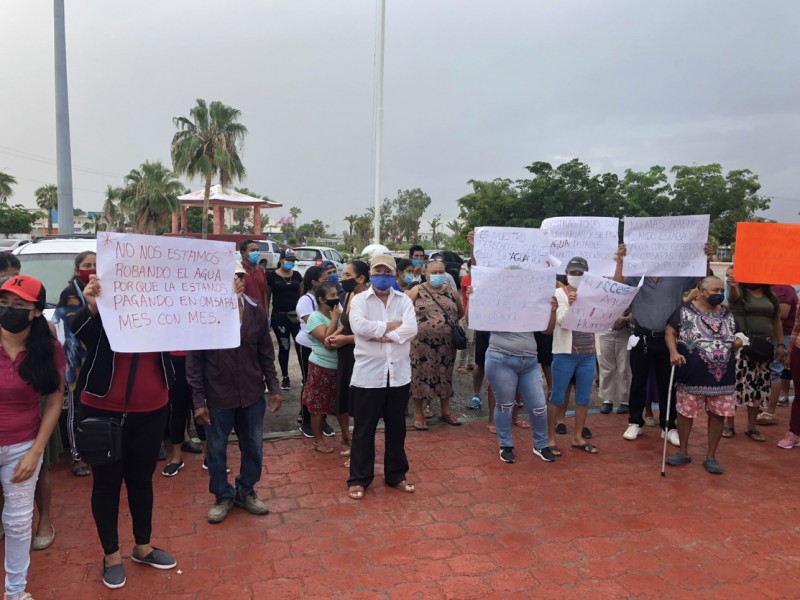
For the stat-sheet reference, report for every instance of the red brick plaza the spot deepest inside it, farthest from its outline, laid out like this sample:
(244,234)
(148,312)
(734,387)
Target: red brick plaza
(594,527)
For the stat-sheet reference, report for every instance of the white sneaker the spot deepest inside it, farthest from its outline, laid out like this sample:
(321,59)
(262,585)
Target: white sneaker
(672,437)
(632,432)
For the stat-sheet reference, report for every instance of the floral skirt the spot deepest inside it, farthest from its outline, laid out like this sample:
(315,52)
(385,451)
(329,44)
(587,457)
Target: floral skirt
(319,394)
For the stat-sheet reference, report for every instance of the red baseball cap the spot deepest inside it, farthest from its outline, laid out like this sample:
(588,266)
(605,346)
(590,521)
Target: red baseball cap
(28,288)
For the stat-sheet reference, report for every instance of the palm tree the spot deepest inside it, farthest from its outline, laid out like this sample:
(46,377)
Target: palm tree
(351,219)
(111,209)
(434,224)
(96,222)
(47,200)
(295,212)
(6,181)
(208,143)
(455,227)
(151,194)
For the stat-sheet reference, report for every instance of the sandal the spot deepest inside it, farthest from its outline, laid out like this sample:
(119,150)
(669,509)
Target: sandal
(324,448)
(555,450)
(587,447)
(405,486)
(345,452)
(755,435)
(356,492)
(347,463)
(728,432)
(522,424)
(766,418)
(561,428)
(419,424)
(80,469)
(450,419)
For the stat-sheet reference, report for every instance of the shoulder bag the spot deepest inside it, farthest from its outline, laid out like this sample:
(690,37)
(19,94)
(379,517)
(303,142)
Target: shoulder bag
(459,337)
(760,348)
(99,439)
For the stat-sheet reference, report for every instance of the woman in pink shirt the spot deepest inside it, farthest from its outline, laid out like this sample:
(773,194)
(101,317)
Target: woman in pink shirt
(31,365)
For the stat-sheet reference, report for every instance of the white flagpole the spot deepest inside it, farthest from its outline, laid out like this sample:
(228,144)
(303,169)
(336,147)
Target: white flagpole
(376,226)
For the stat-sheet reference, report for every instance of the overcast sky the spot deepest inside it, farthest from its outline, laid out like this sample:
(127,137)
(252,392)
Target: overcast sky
(474,89)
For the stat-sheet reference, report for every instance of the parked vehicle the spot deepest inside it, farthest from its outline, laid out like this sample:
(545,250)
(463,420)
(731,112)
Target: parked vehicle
(12,244)
(452,263)
(309,256)
(52,261)
(270,252)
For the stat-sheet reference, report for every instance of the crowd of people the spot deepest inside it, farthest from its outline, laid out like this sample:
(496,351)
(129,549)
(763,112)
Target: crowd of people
(371,345)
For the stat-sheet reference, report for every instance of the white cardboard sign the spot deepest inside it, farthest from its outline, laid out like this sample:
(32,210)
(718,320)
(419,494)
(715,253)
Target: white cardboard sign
(160,294)
(599,302)
(521,247)
(594,238)
(515,300)
(666,246)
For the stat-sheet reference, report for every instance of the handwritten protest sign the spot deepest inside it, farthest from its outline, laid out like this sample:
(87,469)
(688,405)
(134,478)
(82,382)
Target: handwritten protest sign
(165,293)
(516,300)
(501,247)
(767,253)
(599,302)
(594,238)
(666,246)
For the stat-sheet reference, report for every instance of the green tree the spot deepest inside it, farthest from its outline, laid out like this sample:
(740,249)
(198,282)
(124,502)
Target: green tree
(208,143)
(151,194)
(351,220)
(6,186)
(95,223)
(434,225)
(647,193)
(407,209)
(16,219)
(295,212)
(728,199)
(78,212)
(113,214)
(47,200)
(194,219)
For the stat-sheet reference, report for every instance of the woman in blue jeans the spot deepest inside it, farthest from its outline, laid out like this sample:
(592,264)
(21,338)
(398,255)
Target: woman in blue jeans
(512,366)
(574,354)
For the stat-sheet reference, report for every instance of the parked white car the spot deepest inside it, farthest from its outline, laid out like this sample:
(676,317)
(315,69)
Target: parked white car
(52,261)
(11,244)
(310,256)
(270,252)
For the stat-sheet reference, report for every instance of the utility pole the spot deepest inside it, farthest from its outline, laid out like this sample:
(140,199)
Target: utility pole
(63,153)
(376,236)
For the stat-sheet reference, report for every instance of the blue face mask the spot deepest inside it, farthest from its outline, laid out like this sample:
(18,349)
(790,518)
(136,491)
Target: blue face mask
(417,262)
(288,265)
(409,279)
(333,278)
(254,257)
(382,282)
(437,281)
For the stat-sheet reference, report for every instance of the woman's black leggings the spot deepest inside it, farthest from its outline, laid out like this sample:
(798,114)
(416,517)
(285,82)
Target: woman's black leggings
(180,404)
(285,331)
(141,440)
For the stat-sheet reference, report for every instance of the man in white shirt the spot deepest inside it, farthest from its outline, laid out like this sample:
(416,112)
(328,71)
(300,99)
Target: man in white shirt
(384,324)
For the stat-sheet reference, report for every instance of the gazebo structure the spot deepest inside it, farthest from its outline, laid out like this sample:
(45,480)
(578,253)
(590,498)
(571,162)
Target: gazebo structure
(219,200)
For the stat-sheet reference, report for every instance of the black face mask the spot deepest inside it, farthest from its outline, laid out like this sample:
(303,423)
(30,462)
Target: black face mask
(14,320)
(348,285)
(332,303)
(715,299)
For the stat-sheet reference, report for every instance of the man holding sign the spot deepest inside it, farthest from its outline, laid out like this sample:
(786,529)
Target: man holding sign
(652,307)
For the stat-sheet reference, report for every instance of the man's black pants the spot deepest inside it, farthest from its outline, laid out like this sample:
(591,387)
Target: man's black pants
(368,406)
(650,352)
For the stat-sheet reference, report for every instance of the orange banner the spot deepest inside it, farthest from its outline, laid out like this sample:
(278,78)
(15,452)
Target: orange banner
(767,253)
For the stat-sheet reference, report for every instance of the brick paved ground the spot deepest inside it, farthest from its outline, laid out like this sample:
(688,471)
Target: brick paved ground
(605,526)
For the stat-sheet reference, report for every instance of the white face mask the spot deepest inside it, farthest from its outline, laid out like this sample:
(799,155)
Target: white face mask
(574,280)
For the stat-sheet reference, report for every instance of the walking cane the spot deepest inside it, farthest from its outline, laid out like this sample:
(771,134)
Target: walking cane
(666,423)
